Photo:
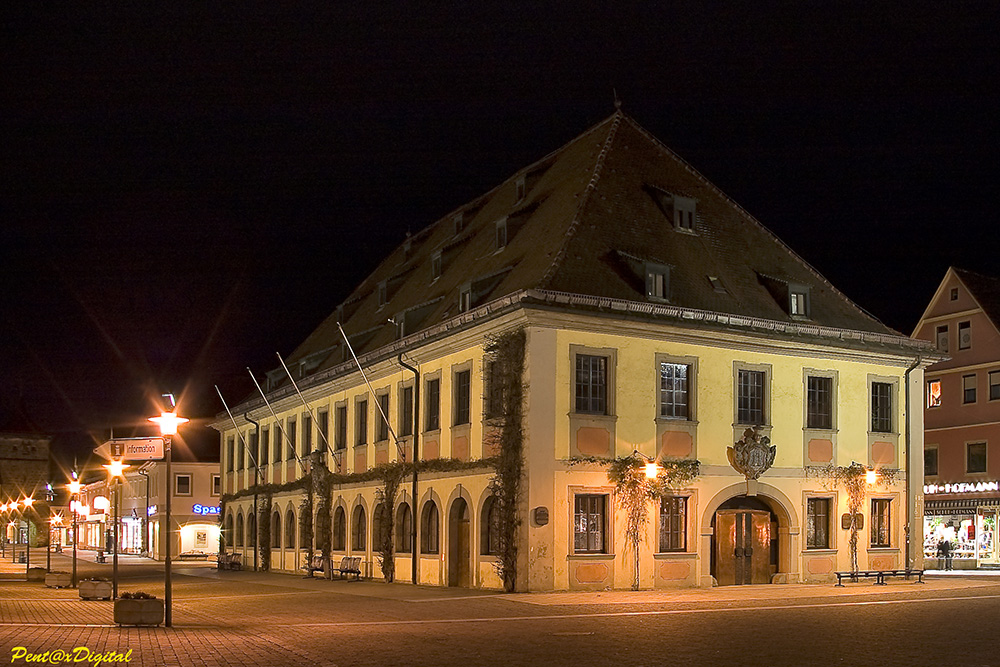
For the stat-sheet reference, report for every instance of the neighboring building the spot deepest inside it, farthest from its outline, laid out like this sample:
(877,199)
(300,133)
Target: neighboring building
(194,511)
(24,470)
(658,315)
(962,418)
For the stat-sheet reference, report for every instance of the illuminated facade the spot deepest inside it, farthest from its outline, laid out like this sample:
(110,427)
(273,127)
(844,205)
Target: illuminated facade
(194,510)
(962,419)
(658,317)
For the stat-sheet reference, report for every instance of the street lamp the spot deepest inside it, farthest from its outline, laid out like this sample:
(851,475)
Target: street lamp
(168,423)
(27,502)
(115,472)
(74,506)
(871,476)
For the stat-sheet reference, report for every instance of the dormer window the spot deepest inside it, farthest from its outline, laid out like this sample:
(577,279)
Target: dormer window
(685,213)
(465,298)
(501,234)
(797,304)
(520,189)
(657,281)
(435,266)
(798,301)
(383,293)
(459,223)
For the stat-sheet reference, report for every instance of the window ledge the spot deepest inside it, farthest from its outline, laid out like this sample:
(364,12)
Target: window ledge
(590,556)
(676,422)
(667,555)
(883,550)
(436,431)
(826,551)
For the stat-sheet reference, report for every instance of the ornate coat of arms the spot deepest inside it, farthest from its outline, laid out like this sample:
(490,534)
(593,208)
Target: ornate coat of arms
(753,454)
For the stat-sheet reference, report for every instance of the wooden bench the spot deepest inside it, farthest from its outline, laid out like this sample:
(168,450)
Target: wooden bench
(349,565)
(316,564)
(879,576)
(228,561)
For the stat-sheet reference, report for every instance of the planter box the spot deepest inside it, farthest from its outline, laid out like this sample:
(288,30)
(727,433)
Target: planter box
(58,579)
(36,574)
(139,612)
(95,590)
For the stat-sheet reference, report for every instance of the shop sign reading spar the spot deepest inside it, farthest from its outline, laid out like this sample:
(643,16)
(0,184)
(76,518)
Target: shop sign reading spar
(132,449)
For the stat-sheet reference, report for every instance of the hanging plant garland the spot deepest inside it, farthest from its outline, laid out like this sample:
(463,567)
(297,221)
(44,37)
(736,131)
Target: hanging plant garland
(854,480)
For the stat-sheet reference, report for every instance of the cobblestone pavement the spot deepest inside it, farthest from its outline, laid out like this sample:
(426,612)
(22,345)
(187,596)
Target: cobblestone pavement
(247,618)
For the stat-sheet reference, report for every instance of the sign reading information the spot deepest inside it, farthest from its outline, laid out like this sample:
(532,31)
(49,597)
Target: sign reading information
(132,449)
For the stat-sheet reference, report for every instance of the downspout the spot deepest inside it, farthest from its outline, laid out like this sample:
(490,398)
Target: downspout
(416,457)
(909,461)
(256,485)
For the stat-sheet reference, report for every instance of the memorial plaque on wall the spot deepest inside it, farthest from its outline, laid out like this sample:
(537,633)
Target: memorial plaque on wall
(845,521)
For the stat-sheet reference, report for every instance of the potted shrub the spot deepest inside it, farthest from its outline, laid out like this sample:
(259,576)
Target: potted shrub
(138,609)
(36,574)
(95,589)
(58,579)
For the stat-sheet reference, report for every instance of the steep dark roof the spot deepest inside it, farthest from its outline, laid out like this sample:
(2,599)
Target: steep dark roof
(590,212)
(986,290)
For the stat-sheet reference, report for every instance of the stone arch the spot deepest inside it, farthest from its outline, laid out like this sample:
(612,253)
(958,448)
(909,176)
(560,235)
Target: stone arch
(238,530)
(788,528)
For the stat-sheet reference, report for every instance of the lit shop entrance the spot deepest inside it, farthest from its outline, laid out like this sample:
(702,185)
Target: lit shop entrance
(744,542)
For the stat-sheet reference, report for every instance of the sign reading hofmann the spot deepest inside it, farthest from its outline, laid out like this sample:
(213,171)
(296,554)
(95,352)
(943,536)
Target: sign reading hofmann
(132,449)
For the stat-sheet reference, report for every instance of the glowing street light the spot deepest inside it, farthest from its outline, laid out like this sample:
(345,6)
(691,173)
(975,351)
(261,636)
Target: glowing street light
(27,502)
(74,506)
(651,469)
(168,423)
(115,471)
(871,476)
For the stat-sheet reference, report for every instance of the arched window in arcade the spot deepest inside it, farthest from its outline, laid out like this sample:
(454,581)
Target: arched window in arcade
(251,530)
(429,528)
(339,529)
(490,528)
(238,535)
(290,529)
(276,530)
(227,530)
(359,537)
(404,520)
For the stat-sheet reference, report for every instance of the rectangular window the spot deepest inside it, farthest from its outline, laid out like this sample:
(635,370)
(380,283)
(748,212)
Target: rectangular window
(797,304)
(930,461)
(265,446)
(674,391)
(501,234)
(361,423)
(589,524)
(968,388)
(433,410)
(463,401)
(340,419)
(750,397)
(880,522)
(975,457)
(240,451)
(673,523)
(818,523)
(435,266)
(819,402)
(934,393)
(292,436)
(941,337)
(382,431)
(216,485)
(406,412)
(964,335)
(254,453)
(494,390)
(881,407)
(994,385)
(230,454)
(307,435)
(323,428)
(591,384)
(278,440)
(182,485)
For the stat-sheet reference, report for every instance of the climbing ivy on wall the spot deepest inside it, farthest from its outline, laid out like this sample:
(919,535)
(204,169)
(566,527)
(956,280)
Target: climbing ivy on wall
(505,359)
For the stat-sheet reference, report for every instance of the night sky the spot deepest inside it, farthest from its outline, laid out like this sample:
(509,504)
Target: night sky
(188,190)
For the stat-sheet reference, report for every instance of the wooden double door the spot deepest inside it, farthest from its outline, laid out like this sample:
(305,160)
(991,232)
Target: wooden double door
(743,547)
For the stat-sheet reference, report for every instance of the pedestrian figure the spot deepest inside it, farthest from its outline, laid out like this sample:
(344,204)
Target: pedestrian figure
(940,554)
(946,551)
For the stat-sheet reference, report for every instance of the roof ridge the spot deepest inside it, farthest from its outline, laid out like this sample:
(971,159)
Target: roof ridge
(595,176)
(751,218)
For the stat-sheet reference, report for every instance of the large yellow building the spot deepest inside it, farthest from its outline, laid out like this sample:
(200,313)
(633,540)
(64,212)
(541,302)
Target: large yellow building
(606,301)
